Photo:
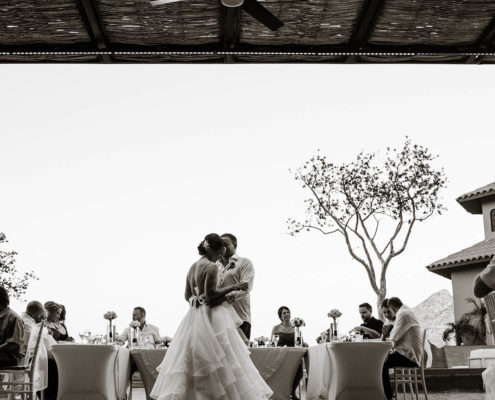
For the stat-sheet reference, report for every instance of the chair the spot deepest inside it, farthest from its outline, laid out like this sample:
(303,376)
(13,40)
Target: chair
(91,372)
(350,377)
(21,377)
(412,377)
(490,309)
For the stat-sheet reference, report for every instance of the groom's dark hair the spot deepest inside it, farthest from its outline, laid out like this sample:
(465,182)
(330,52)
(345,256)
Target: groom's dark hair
(141,310)
(231,237)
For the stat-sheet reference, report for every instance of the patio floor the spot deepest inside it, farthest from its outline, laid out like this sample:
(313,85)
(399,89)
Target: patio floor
(138,394)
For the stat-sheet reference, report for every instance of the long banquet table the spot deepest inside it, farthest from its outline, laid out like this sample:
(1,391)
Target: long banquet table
(277,366)
(348,370)
(92,372)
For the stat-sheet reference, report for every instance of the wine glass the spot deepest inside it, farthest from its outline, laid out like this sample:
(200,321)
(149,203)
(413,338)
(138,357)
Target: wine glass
(87,335)
(148,341)
(82,335)
(275,339)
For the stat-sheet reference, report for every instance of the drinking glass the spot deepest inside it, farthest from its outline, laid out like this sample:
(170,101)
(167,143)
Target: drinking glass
(87,335)
(255,344)
(82,335)
(148,341)
(275,339)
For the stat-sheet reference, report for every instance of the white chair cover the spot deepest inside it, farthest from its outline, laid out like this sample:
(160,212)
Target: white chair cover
(91,372)
(356,370)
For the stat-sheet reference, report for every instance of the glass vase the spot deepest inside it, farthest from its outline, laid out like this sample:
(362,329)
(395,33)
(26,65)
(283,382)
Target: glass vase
(135,337)
(298,342)
(334,331)
(111,332)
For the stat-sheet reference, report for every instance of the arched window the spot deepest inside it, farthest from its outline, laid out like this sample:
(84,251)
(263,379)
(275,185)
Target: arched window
(492,217)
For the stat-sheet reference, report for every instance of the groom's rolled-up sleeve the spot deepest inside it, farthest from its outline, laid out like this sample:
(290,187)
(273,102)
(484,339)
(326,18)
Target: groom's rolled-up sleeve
(246,275)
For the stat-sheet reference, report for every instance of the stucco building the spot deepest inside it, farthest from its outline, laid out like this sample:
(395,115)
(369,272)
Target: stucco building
(462,267)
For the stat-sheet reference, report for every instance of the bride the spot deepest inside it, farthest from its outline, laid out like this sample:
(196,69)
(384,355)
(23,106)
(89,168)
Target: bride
(208,359)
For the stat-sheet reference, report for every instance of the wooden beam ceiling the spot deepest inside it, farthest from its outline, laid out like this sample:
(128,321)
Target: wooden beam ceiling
(95,28)
(484,42)
(366,21)
(231,29)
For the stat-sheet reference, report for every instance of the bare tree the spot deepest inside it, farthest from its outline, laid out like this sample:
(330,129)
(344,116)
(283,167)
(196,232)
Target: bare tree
(9,276)
(374,204)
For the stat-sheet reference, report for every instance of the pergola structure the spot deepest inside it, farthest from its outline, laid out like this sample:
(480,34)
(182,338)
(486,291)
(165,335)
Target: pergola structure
(206,31)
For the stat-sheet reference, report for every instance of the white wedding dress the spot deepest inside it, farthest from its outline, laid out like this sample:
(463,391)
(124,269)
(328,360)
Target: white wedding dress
(208,359)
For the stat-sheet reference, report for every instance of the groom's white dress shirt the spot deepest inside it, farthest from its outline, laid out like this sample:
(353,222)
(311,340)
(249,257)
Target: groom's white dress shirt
(239,269)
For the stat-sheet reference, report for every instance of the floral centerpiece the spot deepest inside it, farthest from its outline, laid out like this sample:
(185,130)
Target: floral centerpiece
(261,340)
(110,316)
(334,314)
(165,341)
(297,323)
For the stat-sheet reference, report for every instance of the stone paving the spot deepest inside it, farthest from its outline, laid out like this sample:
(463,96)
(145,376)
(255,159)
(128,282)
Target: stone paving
(138,394)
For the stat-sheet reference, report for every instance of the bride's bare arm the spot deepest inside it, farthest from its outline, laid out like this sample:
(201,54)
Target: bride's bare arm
(211,289)
(188,293)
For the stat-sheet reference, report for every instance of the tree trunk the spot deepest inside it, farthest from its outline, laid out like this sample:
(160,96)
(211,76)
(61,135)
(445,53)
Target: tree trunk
(379,299)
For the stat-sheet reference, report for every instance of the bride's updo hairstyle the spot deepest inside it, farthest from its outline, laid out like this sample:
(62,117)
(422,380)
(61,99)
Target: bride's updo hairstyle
(211,242)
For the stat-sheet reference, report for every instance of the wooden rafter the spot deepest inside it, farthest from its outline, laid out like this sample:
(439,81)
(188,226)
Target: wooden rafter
(365,23)
(484,42)
(95,28)
(231,29)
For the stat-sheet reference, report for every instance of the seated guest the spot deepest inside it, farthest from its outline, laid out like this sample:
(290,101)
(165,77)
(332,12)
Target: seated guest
(406,337)
(32,317)
(63,315)
(371,328)
(145,328)
(54,324)
(11,332)
(285,332)
(390,319)
(485,281)
(34,314)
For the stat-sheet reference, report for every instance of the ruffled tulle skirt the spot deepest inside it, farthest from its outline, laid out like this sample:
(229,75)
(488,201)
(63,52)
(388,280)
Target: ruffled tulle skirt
(208,360)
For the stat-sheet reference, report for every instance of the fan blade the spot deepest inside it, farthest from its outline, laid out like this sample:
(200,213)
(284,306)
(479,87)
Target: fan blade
(160,2)
(256,10)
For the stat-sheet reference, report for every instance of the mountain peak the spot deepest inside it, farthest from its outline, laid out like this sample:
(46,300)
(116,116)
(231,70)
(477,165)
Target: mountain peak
(435,313)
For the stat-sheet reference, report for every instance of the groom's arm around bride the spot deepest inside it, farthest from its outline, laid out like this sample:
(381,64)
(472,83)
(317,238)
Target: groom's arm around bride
(234,269)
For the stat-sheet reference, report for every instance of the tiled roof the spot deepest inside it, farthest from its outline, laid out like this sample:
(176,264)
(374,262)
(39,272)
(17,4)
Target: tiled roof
(482,251)
(471,200)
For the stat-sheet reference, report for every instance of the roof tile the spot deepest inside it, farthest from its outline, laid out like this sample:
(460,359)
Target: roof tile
(479,251)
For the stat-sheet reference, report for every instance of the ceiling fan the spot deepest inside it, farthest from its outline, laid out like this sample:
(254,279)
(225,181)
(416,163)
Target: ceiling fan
(252,7)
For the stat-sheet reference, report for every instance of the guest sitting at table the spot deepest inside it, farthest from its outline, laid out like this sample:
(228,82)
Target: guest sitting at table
(32,317)
(390,319)
(55,324)
(371,328)
(406,337)
(11,332)
(285,332)
(145,328)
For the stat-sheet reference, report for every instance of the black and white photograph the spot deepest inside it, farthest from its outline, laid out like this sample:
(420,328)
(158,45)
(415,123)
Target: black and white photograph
(247,200)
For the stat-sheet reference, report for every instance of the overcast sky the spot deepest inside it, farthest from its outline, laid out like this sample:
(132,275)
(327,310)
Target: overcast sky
(112,175)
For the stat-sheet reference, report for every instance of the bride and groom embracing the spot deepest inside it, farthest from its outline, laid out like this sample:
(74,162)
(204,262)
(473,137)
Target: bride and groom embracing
(208,358)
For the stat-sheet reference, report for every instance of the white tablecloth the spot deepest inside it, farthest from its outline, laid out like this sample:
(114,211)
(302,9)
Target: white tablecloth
(277,366)
(347,370)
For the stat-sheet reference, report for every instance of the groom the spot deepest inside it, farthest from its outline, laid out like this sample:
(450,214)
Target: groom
(234,269)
